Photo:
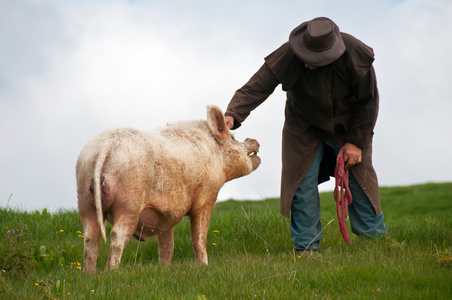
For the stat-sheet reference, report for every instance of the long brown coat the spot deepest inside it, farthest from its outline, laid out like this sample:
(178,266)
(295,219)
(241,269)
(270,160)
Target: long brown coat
(338,102)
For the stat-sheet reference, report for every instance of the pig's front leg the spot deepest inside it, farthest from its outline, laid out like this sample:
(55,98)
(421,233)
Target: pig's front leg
(200,220)
(166,246)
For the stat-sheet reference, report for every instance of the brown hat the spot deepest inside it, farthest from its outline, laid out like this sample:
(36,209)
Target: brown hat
(317,42)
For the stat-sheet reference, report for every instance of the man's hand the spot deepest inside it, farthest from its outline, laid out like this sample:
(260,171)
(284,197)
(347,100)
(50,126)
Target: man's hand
(229,121)
(352,155)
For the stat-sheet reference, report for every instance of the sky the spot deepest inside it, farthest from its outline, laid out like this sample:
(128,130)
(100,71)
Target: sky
(71,69)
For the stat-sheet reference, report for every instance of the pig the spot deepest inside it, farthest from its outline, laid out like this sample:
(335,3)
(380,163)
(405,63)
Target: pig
(144,183)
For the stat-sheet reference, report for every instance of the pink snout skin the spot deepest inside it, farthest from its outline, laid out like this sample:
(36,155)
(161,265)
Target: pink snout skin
(255,142)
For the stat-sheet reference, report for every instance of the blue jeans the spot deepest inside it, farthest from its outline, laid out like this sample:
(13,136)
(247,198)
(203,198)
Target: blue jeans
(305,224)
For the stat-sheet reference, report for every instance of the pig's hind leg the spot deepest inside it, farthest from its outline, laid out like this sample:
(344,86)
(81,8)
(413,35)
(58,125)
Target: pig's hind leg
(124,225)
(92,234)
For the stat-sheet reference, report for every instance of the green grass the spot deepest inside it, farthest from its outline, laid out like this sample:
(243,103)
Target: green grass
(250,256)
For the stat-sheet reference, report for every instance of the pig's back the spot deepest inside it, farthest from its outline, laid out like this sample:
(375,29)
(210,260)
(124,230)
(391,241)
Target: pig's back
(187,149)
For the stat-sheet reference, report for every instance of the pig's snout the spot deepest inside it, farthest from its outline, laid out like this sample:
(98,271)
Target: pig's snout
(251,146)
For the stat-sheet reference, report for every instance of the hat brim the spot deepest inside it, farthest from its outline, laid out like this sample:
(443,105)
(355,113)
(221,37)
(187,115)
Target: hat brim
(315,58)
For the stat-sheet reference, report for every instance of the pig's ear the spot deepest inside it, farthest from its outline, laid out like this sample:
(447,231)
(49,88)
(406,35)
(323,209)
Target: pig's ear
(217,124)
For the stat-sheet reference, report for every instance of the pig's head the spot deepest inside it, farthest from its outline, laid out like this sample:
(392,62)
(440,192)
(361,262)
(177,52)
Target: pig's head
(239,159)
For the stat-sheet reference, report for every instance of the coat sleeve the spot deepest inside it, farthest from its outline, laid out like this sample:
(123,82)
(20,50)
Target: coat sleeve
(361,76)
(365,110)
(260,86)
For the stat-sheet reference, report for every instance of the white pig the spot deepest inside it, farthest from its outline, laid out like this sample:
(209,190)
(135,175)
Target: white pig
(144,183)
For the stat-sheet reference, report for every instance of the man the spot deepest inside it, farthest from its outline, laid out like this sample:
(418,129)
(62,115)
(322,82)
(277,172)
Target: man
(331,109)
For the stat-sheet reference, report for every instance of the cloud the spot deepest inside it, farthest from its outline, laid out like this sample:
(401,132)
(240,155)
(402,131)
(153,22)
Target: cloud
(412,65)
(69,71)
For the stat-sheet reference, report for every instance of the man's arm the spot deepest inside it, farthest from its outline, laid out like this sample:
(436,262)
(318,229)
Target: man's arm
(365,111)
(363,121)
(260,86)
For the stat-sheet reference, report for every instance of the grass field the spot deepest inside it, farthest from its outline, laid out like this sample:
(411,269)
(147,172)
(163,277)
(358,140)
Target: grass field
(250,256)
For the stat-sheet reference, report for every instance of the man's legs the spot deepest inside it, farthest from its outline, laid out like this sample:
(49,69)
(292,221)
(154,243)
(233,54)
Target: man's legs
(305,225)
(363,219)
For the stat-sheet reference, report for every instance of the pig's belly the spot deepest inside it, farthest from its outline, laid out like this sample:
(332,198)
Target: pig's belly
(152,222)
